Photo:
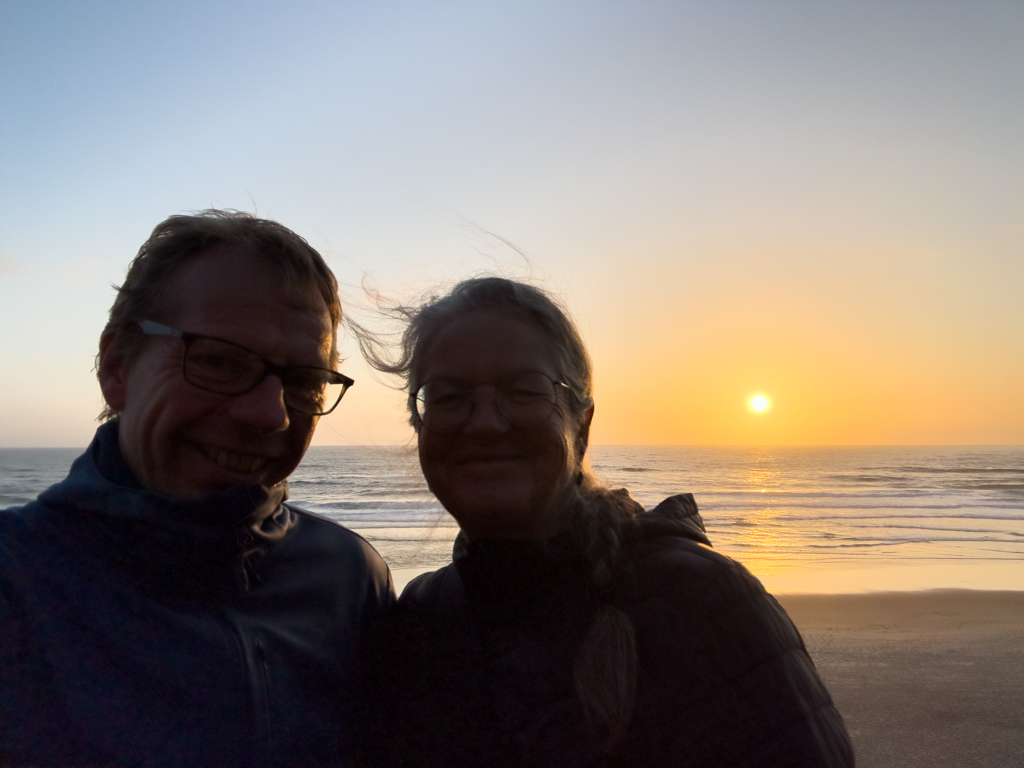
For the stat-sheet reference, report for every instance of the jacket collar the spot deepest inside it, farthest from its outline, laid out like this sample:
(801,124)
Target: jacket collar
(195,547)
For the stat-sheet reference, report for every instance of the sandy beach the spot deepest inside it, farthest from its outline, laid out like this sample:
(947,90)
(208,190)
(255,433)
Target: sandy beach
(932,678)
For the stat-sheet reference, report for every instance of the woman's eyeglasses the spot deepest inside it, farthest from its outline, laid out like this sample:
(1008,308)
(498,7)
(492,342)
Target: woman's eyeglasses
(444,405)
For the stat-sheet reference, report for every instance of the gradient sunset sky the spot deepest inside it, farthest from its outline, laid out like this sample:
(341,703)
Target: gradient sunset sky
(818,202)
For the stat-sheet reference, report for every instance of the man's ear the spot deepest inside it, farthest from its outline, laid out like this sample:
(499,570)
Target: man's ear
(583,433)
(113,372)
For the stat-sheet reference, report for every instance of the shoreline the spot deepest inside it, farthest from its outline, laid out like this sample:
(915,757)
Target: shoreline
(862,578)
(404,575)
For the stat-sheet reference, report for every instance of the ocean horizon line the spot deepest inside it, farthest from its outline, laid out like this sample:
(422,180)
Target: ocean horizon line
(613,445)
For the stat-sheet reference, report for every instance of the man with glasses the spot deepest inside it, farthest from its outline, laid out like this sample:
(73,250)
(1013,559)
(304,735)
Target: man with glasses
(163,605)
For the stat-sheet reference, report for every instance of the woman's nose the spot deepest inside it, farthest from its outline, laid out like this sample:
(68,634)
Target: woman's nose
(484,413)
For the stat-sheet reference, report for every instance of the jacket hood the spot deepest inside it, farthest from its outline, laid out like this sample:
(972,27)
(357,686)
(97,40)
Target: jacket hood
(676,516)
(172,544)
(507,572)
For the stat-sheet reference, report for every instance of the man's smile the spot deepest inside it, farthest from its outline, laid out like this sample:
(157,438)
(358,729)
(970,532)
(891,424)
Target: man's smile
(235,461)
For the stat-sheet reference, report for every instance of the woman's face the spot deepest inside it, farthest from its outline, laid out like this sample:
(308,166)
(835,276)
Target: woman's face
(499,481)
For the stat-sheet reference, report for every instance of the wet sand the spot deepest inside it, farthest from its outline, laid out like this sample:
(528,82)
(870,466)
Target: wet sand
(932,678)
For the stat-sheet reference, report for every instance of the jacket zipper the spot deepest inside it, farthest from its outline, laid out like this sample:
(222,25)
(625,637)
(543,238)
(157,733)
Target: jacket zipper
(261,702)
(257,684)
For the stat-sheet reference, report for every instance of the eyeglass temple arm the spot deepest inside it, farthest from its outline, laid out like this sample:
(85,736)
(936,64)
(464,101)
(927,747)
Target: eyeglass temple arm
(155,329)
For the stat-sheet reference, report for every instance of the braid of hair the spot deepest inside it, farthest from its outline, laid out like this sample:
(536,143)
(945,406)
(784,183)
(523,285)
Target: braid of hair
(599,523)
(605,667)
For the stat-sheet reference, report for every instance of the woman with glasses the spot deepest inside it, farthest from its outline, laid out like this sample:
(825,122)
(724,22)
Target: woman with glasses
(573,628)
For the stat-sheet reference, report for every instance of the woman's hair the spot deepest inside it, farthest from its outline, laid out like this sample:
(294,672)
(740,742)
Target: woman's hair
(605,665)
(481,293)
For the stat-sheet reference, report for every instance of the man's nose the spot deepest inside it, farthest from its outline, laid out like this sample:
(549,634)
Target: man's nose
(484,413)
(263,408)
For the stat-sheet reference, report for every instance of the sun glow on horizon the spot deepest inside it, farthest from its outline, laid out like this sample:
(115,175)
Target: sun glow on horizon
(759,403)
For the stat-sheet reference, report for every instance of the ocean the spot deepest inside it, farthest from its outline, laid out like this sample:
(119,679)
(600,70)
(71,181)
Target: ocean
(821,519)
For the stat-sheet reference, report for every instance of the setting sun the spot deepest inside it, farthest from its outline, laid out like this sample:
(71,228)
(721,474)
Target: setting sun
(759,403)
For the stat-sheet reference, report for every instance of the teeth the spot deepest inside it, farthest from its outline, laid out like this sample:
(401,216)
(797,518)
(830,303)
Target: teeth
(236,462)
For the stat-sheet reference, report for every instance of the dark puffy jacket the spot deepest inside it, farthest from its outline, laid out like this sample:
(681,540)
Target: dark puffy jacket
(139,630)
(475,665)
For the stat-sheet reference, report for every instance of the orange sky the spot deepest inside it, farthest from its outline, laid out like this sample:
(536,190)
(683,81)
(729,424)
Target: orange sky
(820,202)
(868,346)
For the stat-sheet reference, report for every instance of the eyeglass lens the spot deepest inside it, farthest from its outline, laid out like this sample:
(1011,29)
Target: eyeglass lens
(443,405)
(218,366)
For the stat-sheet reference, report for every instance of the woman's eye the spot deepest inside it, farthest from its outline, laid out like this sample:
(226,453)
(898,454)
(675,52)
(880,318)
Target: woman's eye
(525,394)
(447,400)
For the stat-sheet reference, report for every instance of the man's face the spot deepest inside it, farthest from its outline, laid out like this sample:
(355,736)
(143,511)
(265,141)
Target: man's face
(184,441)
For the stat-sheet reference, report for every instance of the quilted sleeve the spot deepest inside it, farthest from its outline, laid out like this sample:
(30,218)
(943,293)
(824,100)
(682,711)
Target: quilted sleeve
(724,678)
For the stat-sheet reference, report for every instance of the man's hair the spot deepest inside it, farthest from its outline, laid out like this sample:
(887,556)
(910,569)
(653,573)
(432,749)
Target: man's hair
(179,239)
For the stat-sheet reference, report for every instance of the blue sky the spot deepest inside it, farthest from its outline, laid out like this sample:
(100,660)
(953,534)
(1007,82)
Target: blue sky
(823,199)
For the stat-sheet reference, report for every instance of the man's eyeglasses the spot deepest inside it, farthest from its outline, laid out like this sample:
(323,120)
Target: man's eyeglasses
(228,369)
(444,405)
